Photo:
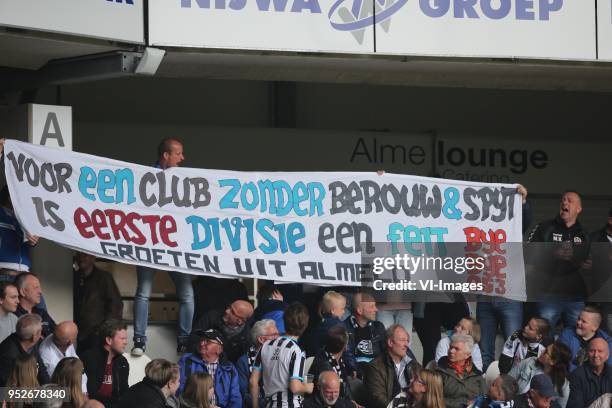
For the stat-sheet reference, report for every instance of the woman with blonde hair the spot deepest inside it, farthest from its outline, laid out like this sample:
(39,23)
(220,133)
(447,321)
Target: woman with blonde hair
(425,391)
(468,326)
(24,375)
(199,392)
(69,374)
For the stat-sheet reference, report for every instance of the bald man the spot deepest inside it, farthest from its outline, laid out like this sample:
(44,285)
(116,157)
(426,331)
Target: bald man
(59,345)
(328,385)
(593,379)
(559,284)
(231,323)
(366,335)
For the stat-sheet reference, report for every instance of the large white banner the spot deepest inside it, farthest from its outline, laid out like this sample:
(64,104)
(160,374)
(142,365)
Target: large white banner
(120,20)
(319,228)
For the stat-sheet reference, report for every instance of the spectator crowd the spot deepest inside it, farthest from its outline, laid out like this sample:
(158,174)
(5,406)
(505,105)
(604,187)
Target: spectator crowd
(333,348)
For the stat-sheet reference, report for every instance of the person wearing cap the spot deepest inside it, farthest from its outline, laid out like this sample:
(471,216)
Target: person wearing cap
(208,359)
(231,323)
(540,395)
(593,378)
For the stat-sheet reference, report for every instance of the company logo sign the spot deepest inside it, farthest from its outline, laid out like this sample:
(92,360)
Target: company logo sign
(356,15)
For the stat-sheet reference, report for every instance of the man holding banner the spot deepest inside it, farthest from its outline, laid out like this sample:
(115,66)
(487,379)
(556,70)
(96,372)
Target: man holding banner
(170,154)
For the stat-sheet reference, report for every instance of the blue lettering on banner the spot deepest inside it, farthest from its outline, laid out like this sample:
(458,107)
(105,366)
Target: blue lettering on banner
(275,197)
(121,1)
(109,185)
(451,199)
(273,237)
(411,234)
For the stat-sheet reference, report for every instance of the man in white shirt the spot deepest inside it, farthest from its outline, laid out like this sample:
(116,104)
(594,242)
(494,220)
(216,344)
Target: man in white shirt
(60,345)
(9,299)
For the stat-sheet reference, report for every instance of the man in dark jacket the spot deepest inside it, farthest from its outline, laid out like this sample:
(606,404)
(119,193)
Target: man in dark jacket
(25,340)
(231,323)
(96,300)
(331,359)
(592,379)
(328,393)
(30,297)
(366,334)
(380,378)
(562,247)
(540,395)
(106,368)
(161,382)
(462,381)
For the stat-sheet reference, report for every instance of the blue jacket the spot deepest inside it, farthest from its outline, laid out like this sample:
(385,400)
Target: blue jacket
(244,374)
(227,388)
(14,250)
(569,337)
(271,309)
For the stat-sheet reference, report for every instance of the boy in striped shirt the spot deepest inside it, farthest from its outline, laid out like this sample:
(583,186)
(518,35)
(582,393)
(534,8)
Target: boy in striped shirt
(281,363)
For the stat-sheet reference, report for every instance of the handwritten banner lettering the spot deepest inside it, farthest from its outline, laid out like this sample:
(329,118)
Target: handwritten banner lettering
(293,227)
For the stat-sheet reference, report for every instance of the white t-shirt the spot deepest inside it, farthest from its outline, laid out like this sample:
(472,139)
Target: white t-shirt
(7,325)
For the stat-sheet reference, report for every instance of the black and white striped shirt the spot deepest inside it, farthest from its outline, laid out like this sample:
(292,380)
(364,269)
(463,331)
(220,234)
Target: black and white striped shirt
(280,361)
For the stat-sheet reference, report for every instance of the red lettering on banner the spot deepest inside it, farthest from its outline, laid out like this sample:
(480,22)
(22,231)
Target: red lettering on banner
(125,226)
(489,243)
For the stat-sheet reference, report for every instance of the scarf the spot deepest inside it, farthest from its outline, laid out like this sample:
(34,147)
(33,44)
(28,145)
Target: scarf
(336,365)
(462,368)
(251,355)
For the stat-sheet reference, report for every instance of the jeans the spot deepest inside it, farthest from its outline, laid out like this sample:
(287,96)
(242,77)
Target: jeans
(490,315)
(389,317)
(552,311)
(184,291)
